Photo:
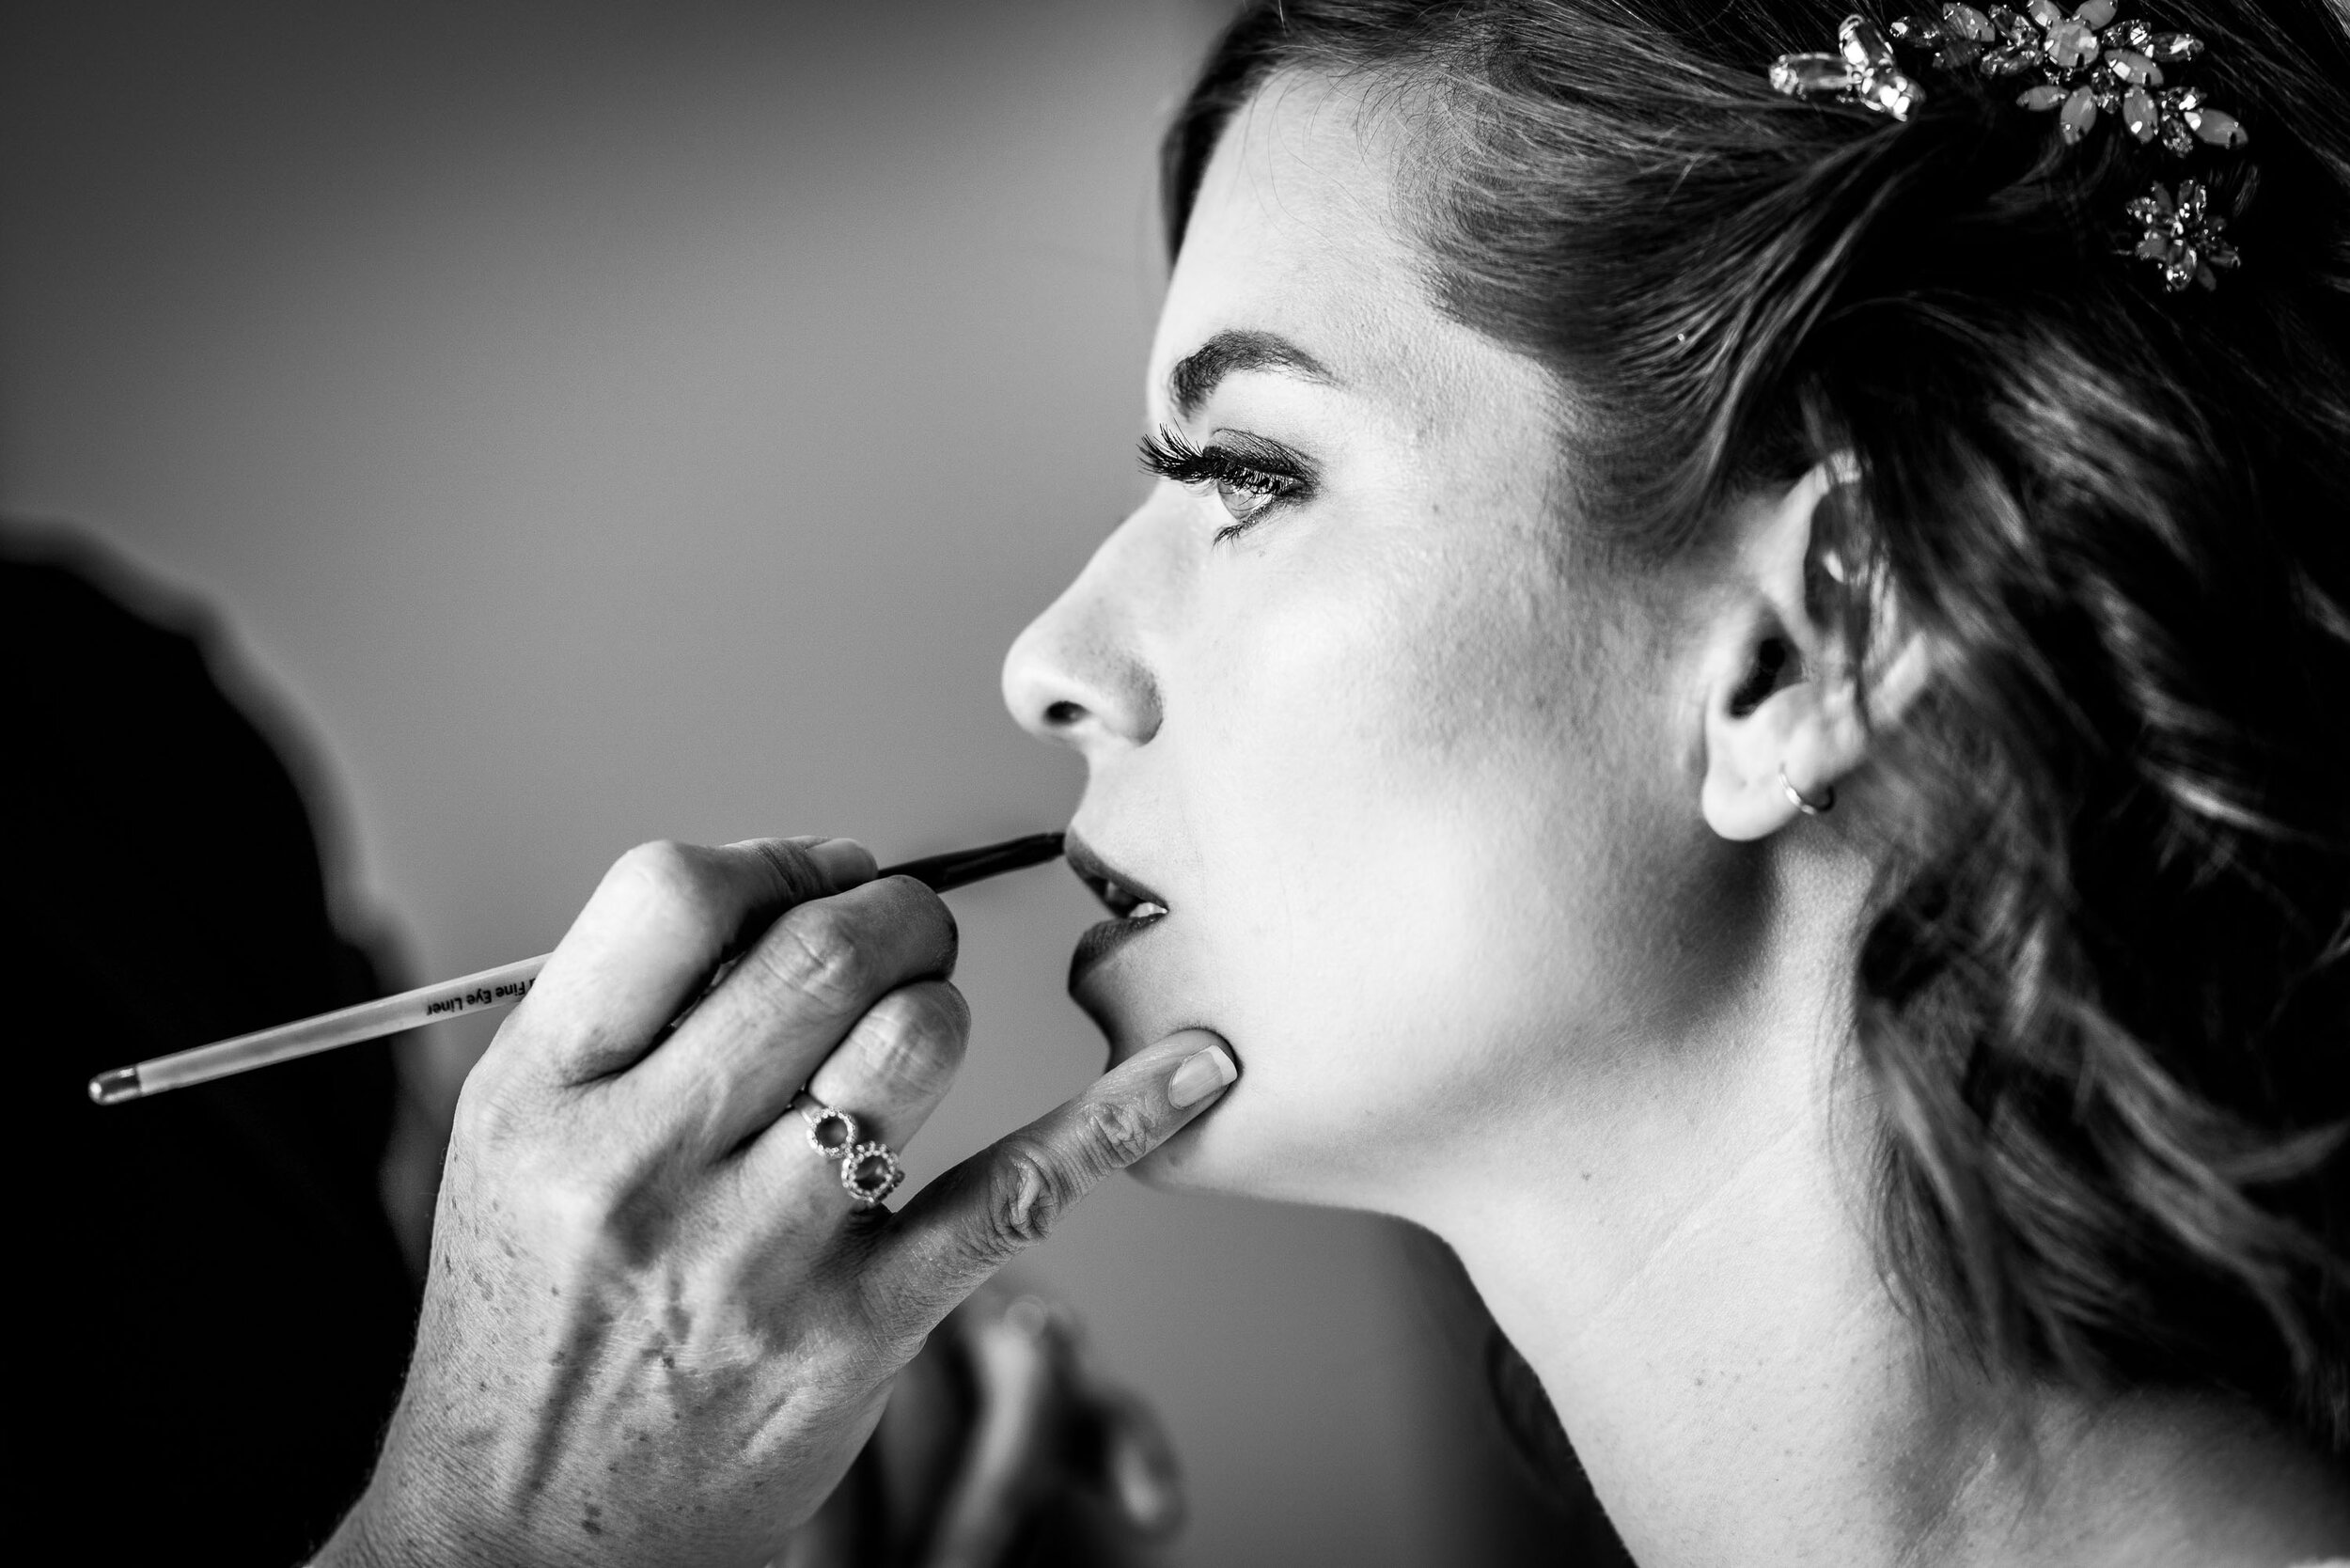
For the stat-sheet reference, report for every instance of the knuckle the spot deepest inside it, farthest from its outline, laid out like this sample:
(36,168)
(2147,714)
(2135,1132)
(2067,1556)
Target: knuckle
(916,1038)
(580,1206)
(1120,1133)
(1027,1192)
(582,1193)
(490,1111)
(924,911)
(669,877)
(481,1121)
(661,867)
(816,954)
(799,875)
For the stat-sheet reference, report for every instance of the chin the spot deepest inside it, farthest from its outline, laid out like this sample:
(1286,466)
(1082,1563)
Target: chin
(1205,1155)
(1135,979)
(1199,1157)
(1231,1151)
(1250,1143)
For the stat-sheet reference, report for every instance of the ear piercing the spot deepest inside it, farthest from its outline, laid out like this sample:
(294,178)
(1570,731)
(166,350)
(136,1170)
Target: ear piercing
(1795,796)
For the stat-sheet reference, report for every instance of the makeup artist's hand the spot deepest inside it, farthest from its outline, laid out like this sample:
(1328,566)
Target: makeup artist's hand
(657,1328)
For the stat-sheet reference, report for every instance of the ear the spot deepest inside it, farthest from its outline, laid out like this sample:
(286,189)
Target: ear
(1784,693)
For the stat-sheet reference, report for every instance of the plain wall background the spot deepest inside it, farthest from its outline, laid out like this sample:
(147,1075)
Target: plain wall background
(606,421)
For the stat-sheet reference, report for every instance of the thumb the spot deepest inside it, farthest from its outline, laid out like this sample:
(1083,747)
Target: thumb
(1008,1196)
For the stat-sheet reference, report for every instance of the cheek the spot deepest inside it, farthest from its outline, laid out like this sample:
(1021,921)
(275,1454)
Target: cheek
(1434,798)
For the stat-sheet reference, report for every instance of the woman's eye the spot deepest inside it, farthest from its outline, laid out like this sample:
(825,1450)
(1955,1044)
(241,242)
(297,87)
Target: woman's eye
(1245,493)
(1248,475)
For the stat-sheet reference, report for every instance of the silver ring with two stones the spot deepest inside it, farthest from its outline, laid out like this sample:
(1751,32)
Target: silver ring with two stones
(869,1171)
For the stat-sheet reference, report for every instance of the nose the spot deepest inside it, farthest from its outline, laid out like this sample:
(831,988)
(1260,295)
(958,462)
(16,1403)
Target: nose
(1078,674)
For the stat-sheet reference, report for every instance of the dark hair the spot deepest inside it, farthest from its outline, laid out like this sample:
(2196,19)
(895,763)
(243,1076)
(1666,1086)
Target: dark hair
(2104,992)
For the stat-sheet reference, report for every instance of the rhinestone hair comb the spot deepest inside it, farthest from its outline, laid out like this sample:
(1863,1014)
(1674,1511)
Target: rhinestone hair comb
(2086,67)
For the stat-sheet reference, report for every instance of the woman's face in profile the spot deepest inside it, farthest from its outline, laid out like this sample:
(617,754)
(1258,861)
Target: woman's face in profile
(1415,780)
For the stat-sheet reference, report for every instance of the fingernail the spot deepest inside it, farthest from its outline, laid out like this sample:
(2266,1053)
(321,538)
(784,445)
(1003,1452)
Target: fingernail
(844,861)
(1202,1074)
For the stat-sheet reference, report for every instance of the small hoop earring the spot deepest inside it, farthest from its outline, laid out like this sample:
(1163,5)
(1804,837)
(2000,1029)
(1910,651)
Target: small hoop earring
(1795,796)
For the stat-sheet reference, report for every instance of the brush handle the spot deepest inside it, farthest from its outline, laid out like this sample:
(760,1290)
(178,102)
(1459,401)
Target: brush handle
(485,992)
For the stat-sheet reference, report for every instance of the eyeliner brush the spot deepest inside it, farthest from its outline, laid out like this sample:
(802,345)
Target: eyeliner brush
(488,991)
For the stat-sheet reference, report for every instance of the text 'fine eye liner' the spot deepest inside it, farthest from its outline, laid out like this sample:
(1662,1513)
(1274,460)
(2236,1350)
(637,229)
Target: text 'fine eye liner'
(489,990)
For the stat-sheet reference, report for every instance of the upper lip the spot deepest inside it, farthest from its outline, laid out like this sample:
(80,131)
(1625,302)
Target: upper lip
(1120,893)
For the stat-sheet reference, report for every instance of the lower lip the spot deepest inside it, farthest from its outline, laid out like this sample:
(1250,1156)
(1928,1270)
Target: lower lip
(1102,940)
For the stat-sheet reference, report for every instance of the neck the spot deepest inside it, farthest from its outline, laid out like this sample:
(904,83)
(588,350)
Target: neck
(1695,1283)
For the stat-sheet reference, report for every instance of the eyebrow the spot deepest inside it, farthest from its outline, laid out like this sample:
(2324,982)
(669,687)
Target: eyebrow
(1197,373)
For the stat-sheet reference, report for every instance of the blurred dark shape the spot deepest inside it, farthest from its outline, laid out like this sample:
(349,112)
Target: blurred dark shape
(1001,1446)
(221,1311)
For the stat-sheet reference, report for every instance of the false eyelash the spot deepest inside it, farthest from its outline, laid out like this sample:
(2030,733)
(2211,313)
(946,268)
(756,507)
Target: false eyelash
(1263,469)
(1165,453)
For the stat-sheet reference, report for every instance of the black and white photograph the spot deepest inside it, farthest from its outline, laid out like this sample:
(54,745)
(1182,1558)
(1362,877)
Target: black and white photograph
(1178,783)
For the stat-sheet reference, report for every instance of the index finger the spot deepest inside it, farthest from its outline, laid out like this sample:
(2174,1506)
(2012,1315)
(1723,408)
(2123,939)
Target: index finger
(663,920)
(979,1215)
